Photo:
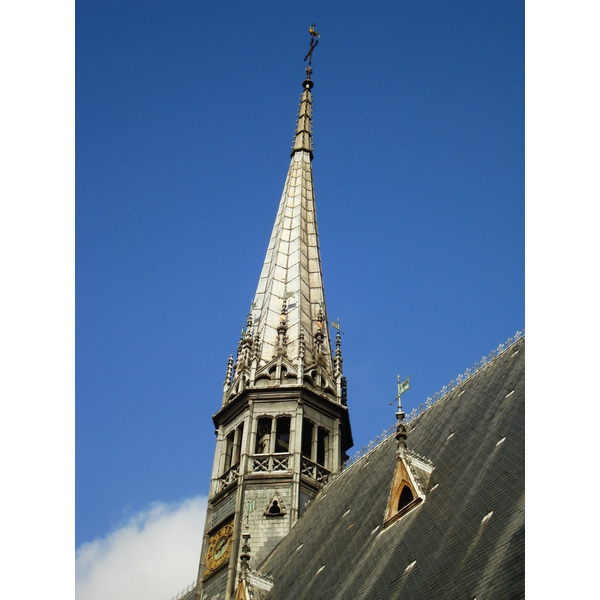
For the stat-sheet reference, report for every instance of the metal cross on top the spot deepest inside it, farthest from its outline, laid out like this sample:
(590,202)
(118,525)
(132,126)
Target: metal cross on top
(313,44)
(402,387)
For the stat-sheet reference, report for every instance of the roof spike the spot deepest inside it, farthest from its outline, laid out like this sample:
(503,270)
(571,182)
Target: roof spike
(239,349)
(303,138)
(282,330)
(319,334)
(344,391)
(229,370)
(401,434)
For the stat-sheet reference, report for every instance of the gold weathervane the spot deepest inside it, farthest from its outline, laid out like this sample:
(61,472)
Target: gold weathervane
(313,44)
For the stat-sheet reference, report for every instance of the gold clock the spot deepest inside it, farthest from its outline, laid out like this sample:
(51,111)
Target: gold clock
(219,549)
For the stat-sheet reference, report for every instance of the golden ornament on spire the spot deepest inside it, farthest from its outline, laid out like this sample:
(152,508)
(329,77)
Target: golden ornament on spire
(313,45)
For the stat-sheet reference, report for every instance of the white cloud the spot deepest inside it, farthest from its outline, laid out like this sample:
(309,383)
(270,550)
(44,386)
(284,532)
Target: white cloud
(155,555)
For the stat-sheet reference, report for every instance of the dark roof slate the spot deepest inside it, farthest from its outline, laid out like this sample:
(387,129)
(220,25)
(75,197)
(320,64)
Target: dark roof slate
(339,549)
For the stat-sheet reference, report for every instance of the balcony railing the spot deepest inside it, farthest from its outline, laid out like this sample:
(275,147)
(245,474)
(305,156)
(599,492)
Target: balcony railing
(270,463)
(229,477)
(314,471)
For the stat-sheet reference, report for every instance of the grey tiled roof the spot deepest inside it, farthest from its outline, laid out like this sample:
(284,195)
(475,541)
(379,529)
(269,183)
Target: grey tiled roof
(339,549)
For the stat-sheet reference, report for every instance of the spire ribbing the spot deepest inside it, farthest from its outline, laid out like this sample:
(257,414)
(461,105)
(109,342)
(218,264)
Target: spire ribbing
(291,276)
(303,139)
(288,338)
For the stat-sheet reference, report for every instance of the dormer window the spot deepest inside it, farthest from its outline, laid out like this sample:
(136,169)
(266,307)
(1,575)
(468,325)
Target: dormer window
(408,486)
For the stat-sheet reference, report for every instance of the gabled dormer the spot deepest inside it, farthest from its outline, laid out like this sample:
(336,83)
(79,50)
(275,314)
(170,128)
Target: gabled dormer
(412,472)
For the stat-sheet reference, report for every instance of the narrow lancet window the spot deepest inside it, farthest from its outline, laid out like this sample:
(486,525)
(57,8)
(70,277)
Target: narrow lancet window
(229,449)
(322,442)
(307,428)
(282,438)
(406,497)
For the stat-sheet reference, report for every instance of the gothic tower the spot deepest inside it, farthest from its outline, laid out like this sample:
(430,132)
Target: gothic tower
(283,427)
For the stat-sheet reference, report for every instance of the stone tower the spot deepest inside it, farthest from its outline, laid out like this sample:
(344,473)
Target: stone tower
(283,427)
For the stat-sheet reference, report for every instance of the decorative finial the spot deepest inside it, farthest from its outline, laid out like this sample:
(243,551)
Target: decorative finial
(282,327)
(401,434)
(301,346)
(228,379)
(281,331)
(338,355)
(313,32)
(245,554)
(319,334)
(229,370)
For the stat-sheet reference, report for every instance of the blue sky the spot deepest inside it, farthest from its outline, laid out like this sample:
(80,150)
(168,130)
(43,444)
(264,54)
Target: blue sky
(184,120)
(175,143)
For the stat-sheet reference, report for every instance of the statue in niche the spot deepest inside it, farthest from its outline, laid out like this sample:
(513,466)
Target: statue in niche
(263,440)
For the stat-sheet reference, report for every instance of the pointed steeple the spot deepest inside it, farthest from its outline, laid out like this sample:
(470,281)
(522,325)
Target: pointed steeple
(303,137)
(291,281)
(283,428)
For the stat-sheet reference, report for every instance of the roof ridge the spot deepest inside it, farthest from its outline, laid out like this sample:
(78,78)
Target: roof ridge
(185,591)
(262,576)
(461,378)
(412,455)
(423,407)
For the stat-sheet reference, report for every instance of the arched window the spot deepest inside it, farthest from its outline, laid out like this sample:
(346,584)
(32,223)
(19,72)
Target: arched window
(263,436)
(307,427)
(406,497)
(233,442)
(282,438)
(276,508)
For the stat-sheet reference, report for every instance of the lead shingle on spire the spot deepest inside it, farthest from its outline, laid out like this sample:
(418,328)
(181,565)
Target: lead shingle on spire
(293,262)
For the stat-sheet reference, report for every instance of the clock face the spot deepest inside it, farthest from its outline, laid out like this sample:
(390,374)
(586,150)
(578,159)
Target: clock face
(219,549)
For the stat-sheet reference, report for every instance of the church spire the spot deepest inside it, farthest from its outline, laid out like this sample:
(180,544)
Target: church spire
(290,297)
(303,137)
(283,427)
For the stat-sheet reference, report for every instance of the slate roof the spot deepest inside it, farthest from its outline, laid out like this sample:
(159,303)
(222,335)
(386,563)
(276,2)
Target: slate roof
(339,548)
